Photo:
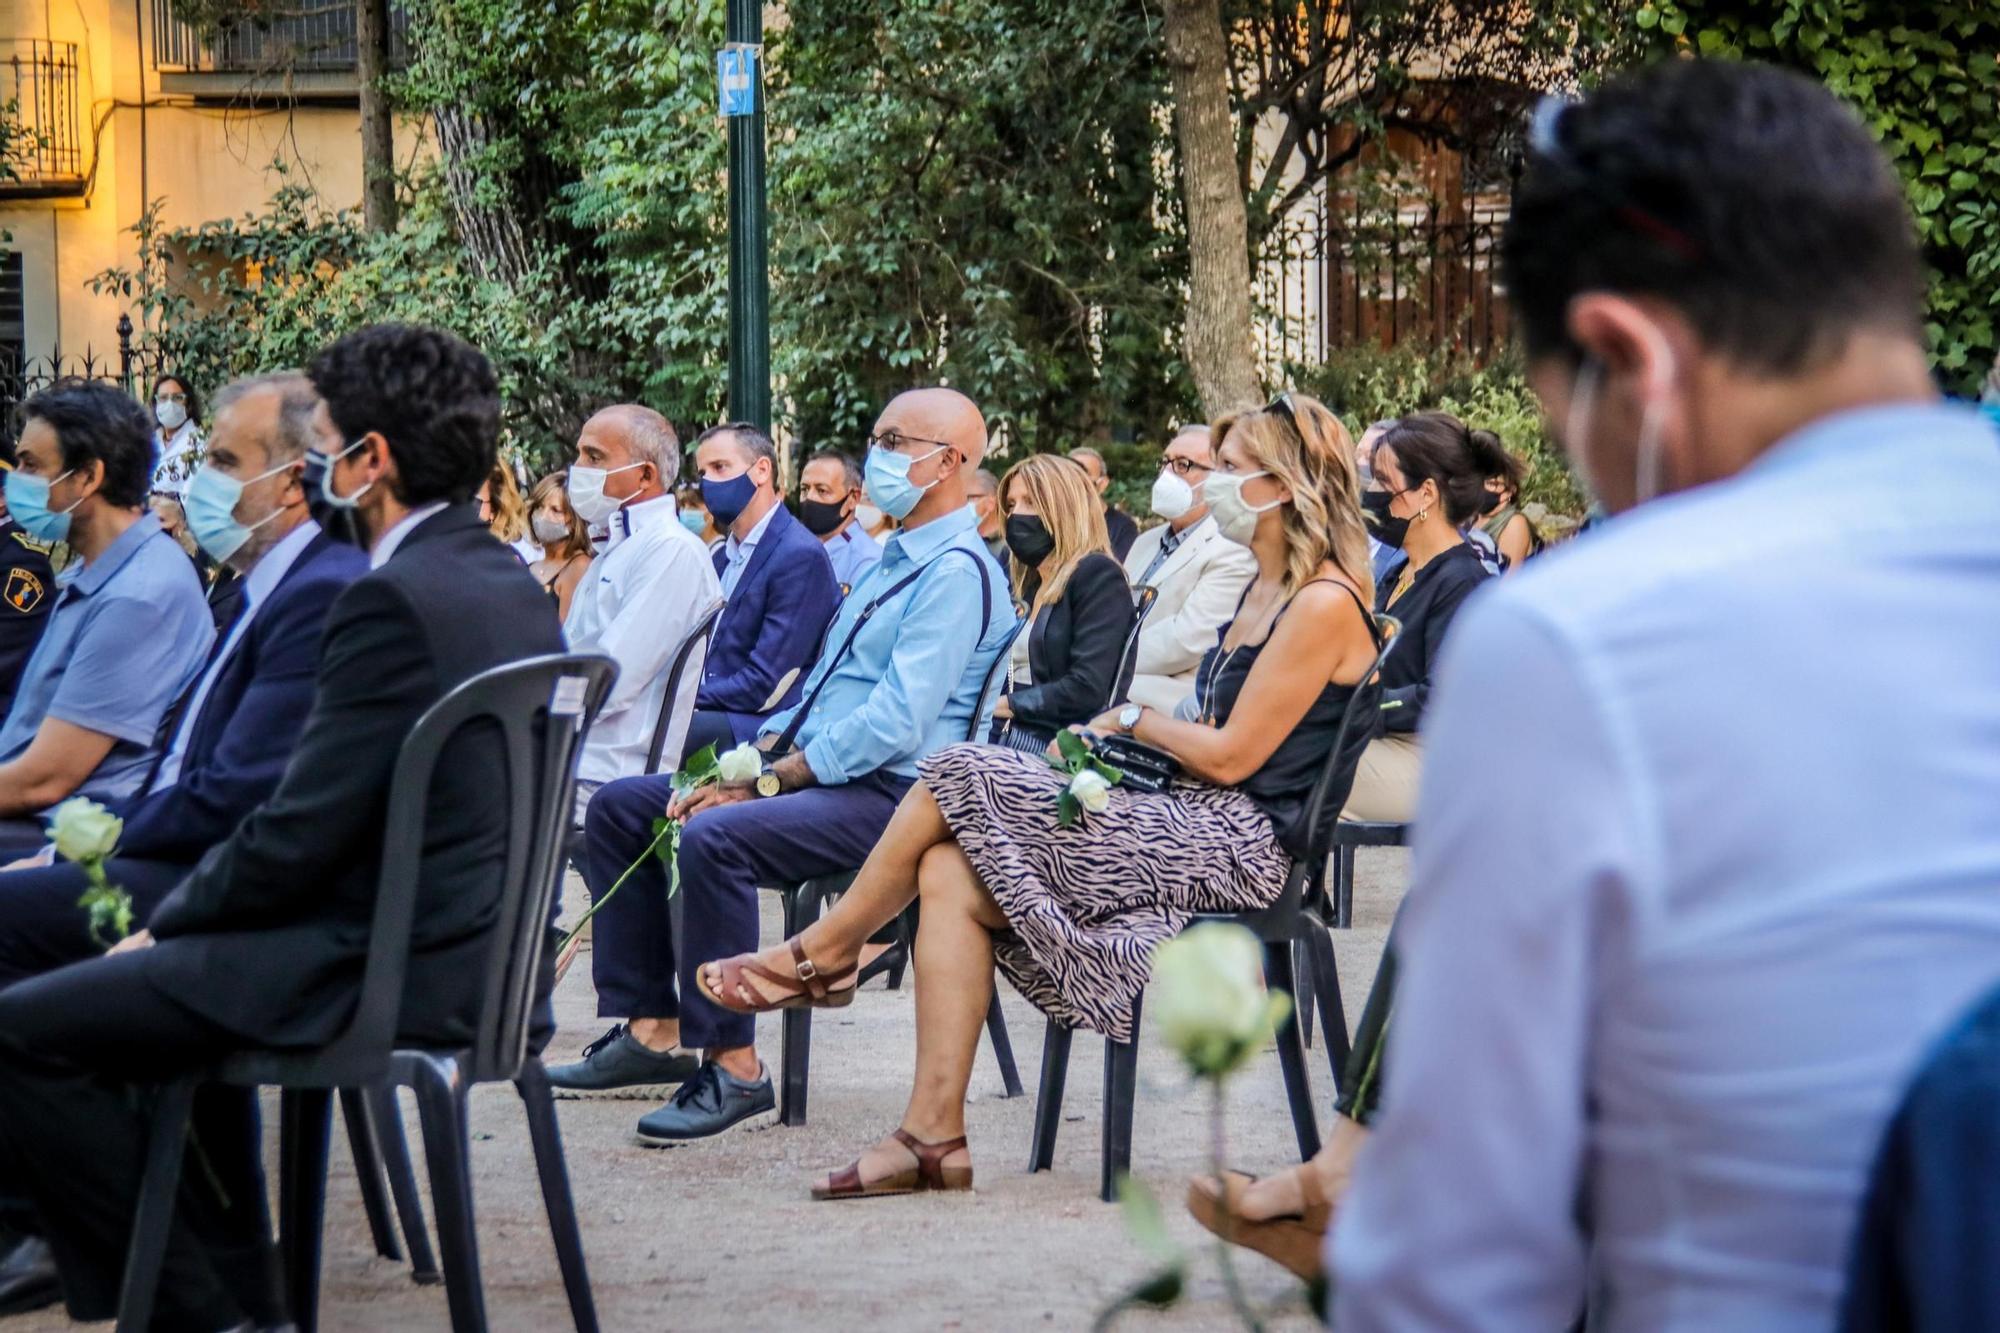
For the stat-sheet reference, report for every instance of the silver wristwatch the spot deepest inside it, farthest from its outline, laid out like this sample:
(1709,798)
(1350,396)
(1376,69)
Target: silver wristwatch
(1128,716)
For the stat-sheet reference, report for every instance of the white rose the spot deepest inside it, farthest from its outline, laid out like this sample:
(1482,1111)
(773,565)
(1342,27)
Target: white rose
(1207,997)
(83,830)
(741,764)
(1092,792)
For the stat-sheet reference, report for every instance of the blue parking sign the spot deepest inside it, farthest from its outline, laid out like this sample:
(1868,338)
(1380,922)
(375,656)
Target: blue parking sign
(736,75)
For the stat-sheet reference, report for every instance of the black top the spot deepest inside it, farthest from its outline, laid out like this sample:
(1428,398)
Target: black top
(1283,786)
(1075,647)
(1425,612)
(27,592)
(1123,531)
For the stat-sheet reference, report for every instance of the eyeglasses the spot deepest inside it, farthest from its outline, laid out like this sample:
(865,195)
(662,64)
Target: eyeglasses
(170,398)
(1545,142)
(1183,466)
(896,442)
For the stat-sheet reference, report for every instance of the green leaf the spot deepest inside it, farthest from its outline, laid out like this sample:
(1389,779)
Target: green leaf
(1111,775)
(1068,809)
(1145,1220)
(1074,750)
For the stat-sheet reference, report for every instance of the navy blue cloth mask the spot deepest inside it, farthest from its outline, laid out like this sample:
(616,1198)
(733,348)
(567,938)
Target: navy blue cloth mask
(726,500)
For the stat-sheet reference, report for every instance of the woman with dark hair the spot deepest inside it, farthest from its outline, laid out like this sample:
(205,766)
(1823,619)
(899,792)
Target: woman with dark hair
(1078,603)
(562,539)
(177,440)
(1432,472)
(1513,535)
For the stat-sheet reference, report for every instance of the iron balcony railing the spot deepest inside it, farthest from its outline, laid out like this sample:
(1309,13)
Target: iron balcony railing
(38,91)
(292,36)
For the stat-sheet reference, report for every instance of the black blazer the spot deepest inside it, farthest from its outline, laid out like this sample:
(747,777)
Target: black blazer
(267,936)
(1074,647)
(1425,613)
(239,743)
(1123,530)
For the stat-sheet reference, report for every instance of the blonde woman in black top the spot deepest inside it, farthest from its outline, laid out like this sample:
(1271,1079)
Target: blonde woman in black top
(1432,473)
(562,538)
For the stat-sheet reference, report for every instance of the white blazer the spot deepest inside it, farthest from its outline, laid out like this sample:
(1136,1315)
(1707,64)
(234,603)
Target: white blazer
(1199,587)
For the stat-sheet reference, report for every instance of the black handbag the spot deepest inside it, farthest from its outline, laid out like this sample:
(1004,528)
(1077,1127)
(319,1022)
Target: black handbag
(1145,767)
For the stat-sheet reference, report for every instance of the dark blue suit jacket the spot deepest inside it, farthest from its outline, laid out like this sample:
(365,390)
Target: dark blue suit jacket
(242,739)
(774,622)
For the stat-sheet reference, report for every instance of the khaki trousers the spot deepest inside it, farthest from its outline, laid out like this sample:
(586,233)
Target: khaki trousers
(1385,783)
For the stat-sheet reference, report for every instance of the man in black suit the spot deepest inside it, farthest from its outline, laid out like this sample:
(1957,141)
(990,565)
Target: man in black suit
(263,944)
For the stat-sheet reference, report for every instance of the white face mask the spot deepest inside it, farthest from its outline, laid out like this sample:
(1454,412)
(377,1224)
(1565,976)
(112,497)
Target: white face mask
(586,492)
(1650,456)
(170,414)
(868,516)
(1233,515)
(1172,496)
(550,531)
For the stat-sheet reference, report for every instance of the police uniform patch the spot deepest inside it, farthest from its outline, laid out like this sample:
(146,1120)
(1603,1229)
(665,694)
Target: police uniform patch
(24,592)
(29,543)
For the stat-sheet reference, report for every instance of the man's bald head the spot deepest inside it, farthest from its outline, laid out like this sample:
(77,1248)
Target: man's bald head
(627,436)
(939,414)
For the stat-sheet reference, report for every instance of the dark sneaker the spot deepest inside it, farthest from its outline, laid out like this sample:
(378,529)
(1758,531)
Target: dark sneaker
(617,1065)
(706,1104)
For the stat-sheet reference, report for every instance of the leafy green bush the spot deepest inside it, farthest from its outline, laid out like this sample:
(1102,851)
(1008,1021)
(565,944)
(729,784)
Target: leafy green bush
(1366,384)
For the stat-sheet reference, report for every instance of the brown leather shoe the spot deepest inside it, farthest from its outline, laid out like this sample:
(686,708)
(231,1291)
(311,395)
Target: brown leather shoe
(926,1174)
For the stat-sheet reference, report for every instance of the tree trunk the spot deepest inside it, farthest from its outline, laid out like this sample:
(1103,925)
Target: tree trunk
(378,138)
(1220,351)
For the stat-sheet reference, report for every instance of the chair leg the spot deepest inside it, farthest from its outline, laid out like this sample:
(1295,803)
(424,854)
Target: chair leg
(447,1152)
(1303,970)
(387,1116)
(905,945)
(368,1172)
(801,905)
(1325,989)
(1292,1052)
(1003,1044)
(1343,887)
(305,1118)
(1121,1085)
(1049,1097)
(546,1136)
(153,1220)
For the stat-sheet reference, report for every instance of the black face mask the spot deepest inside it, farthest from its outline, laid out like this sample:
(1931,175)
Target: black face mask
(821,517)
(340,525)
(1389,530)
(1028,538)
(1490,503)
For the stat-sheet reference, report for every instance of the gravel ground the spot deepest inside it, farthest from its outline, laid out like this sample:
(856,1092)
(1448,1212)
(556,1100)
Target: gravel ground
(723,1234)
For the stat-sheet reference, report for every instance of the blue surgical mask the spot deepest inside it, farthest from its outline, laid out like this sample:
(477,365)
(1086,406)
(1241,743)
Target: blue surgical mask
(727,499)
(692,520)
(28,503)
(887,481)
(210,503)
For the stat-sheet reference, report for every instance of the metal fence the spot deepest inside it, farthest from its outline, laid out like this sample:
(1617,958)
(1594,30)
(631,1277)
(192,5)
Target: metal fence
(39,80)
(1325,282)
(304,36)
(130,368)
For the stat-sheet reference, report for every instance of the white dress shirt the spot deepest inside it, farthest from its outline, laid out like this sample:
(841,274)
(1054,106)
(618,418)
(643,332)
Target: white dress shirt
(1708,853)
(635,604)
(257,585)
(738,553)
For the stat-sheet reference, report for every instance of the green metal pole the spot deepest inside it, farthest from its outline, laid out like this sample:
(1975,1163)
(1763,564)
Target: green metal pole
(749,272)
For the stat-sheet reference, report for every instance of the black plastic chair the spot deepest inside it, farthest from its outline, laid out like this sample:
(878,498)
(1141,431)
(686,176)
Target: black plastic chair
(1348,836)
(803,904)
(696,637)
(1128,660)
(542,708)
(1296,916)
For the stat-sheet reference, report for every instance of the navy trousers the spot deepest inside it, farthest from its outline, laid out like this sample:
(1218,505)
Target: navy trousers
(42,928)
(726,854)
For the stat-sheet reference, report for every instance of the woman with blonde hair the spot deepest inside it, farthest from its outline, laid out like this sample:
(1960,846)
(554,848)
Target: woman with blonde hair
(561,539)
(500,505)
(1073,913)
(1078,604)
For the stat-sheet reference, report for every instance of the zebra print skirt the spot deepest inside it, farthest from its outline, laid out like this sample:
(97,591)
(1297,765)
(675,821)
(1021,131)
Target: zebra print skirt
(1088,904)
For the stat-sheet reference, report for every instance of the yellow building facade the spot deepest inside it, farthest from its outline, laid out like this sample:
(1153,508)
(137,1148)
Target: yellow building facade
(128,106)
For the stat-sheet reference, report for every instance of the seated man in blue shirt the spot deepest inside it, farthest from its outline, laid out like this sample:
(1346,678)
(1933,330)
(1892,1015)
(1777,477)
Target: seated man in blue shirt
(829,493)
(777,583)
(904,666)
(130,630)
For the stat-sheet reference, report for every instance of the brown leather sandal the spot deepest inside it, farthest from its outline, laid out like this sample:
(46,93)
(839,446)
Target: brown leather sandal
(928,1174)
(1297,1241)
(808,989)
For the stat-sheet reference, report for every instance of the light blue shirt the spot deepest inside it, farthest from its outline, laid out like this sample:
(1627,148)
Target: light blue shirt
(1707,854)
(738,553)
(853,553)
(910,682)
(128,634)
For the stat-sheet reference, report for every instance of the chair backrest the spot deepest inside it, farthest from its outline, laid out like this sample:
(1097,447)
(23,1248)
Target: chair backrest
(1336,778)
(1128,661)
(542,708)
(697,637)
(994,675)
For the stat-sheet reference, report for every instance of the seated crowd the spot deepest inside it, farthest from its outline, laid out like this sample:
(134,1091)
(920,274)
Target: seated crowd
(1618,851)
